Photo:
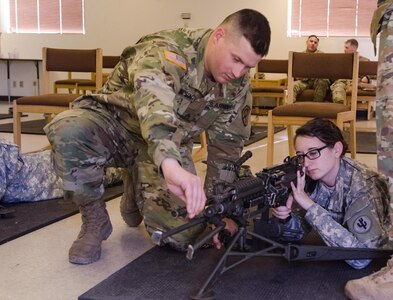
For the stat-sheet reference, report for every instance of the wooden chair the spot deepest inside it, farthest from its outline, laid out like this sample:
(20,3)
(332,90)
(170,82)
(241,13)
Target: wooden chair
(271,88)
(72,83)
(367,92)
(320,65)
(201,152)
(56,60)
(108,62)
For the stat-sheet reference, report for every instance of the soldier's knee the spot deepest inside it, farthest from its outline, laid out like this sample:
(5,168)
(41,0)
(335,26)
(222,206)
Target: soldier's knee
(70,129)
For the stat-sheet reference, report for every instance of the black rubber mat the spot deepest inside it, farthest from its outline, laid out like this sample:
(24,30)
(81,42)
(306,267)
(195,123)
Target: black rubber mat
(365,142)
(28,127)
(5,116)
(30,216)
(162,273)
(260,132)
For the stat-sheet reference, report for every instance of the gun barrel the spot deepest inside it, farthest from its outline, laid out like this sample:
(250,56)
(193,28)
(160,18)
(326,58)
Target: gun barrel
(243,159)
(180,212)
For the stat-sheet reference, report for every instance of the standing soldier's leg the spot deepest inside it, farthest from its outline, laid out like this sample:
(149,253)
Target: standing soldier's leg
(379,285)
(384,103)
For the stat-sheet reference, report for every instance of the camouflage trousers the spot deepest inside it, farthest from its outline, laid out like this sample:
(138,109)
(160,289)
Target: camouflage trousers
(384,102)
(29,177)
(321,87)
(339,91)
(85,141)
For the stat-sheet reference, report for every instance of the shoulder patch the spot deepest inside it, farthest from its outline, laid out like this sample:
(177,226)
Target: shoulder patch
(245,115)
(175,58)
(362,224)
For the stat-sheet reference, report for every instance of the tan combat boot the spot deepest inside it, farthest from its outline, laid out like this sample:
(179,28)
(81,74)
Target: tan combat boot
(377,286)
(128,208)
(96,227)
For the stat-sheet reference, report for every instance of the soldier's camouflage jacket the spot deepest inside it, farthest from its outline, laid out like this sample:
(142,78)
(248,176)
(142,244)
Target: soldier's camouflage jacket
(159,90)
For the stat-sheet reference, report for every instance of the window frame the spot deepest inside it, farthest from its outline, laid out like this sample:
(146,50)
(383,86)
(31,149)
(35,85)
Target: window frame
(46,16)
(330,18)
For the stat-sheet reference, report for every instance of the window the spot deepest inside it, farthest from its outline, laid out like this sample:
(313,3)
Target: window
(330,17)
(46,16)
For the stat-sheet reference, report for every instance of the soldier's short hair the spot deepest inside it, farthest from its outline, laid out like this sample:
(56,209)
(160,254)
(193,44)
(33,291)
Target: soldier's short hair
(313,35)
(352,42)
(254,27)
(324,130)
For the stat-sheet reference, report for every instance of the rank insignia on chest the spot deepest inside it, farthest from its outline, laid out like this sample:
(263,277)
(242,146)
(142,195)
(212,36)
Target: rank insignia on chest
(175,58)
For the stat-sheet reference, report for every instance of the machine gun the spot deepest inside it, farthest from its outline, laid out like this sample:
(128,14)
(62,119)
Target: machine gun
(246,197)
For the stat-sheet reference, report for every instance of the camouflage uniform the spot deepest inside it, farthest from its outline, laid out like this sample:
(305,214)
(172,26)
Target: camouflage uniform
(31,177)
(321,86)
(383,22)
(157,99)
(340,86)
(354,213)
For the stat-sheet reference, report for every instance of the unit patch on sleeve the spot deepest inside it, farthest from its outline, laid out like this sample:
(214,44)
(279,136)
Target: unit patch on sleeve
(362,224)
(245,115)
(175,58)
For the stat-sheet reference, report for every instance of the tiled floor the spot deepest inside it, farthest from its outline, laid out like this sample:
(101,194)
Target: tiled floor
(35,266)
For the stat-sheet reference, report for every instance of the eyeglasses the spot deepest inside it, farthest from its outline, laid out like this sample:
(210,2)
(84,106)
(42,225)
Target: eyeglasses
(312,154)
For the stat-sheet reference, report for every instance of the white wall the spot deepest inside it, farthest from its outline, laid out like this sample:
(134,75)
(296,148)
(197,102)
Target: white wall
(113,25)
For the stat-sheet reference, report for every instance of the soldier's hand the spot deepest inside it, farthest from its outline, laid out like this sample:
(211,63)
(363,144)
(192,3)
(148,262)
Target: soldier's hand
(283,212)
(230,226)
(299,195)
(184,185)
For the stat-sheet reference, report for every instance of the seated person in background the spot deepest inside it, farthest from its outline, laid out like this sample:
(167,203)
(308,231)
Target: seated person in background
(339,87)
(350,204)
(321,86)
(31,177)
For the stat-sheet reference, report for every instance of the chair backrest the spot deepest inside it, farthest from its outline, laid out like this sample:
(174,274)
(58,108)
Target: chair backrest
(323,65)
(273,66)
(71,60)
(368,68)
(109,62)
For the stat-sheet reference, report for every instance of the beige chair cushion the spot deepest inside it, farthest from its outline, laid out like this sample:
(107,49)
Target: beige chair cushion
(311,109)
(269,89)
(49,99)
(75,81)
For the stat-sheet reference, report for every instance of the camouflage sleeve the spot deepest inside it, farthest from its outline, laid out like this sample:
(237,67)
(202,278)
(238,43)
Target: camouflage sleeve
(336,235)
(156,80)
(381,15)
(295,229)
(225,138)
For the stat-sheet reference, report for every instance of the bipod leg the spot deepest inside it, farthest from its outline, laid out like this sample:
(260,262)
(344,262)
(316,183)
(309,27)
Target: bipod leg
(192,248)
(206,291)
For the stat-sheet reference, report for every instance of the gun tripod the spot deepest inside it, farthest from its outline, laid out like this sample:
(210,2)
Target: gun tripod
(290,252)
